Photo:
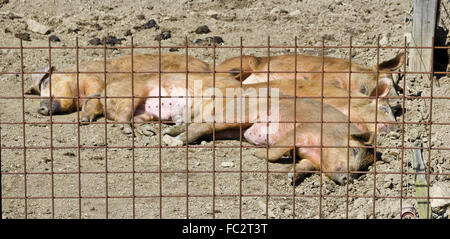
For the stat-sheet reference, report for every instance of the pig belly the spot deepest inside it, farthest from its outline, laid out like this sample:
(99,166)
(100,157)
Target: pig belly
(254,78)
(171,108)
(258,133)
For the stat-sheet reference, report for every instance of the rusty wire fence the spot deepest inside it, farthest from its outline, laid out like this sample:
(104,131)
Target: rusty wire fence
(213,172)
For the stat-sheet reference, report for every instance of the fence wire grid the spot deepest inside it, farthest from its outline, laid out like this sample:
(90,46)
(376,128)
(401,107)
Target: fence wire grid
(137,196)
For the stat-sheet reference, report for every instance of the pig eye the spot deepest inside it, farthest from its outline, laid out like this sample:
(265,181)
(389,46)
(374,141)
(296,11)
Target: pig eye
(355,151)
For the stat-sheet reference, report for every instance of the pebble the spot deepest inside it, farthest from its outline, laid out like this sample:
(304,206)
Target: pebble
(147,130)
(295,13)
(148,25)
(95,41)
(173,49)
(163,36)
(202,30)
(127,130)
(128,33)
(212,14)
(227,164)
(97,27)
(23,36)
(54,38)
(384,40)
(11,15)
(393,135)
(440,189)
(37,27)
(262,205)
(140,17)
(112,40)
(216,39)
(277,11)
(171,141)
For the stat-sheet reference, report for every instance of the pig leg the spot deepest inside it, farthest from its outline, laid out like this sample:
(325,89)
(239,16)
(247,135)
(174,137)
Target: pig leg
(276,153)
(92,108)
(175,130)
(196,130)
(302,169)
(125,112)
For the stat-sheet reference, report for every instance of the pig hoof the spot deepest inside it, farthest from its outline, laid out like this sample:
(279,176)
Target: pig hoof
(172,141)
(170,131)
(148,132)
(85,120)
(261,154)
(291,177)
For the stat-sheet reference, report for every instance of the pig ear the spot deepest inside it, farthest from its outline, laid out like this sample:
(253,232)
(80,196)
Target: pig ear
(384,86)
(393,64)
(33,90)
(366,138)
(37,80)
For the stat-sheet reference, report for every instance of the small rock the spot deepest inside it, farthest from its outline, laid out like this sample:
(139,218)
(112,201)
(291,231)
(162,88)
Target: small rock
(440,189)
(112,40)
(212,14)
(140,17)
(173,49)
(262,205)
(227,164)
(7,30)
(393,135)
(97,27)
(202,30)
(69,154)
(215,39)
(384,41)
(128,33)
(95,41)
(163,36)
(127,130)
(295,13)
(54,38)
(23,36)
(147,131)
(37,27)
(11,15)
(197,41)
(148,25)
(171,141)
(277,11)
(3,2)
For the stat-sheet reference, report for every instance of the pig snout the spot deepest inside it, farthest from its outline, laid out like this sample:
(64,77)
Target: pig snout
(44,108)
(342,178)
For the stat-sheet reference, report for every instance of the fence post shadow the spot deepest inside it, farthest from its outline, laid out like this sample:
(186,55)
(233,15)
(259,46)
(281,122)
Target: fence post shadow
(441,56)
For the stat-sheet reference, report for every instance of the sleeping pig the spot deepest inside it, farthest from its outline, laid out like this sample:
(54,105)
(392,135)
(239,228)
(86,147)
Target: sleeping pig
(92,84)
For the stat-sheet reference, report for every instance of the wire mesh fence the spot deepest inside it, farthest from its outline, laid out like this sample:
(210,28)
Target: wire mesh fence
(81,171)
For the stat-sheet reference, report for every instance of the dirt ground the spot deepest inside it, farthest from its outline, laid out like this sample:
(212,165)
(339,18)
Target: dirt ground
(254,21)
